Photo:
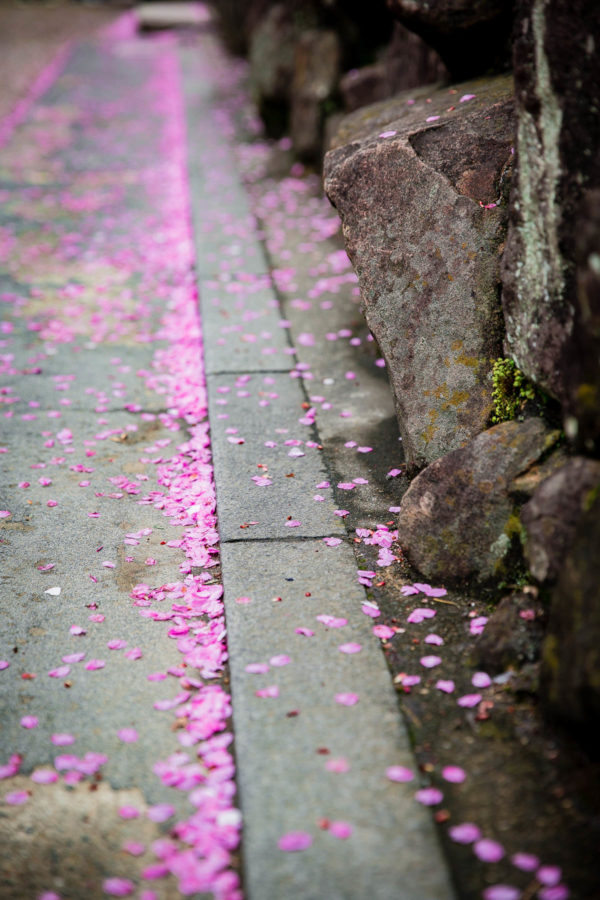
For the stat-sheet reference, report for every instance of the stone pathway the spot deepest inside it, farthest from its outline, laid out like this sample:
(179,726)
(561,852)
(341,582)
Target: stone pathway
(122,200)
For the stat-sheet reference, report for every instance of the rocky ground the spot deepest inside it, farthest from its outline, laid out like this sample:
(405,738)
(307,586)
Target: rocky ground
(101,175)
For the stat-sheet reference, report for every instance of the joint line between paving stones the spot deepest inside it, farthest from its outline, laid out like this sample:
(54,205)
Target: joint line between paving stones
(292,539)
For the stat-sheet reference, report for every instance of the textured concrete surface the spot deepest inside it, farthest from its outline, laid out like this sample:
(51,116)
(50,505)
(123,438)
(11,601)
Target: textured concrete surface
(283,743)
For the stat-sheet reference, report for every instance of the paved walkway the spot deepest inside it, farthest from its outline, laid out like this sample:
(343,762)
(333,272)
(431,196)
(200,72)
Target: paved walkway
(122,202)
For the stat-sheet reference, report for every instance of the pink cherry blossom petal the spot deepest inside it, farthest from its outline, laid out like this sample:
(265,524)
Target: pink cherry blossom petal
(295,841)
(44,776)
(341,830)
(447,686)
(400,774)
(129,812)
(29,722)
(466,833)
(337,764)
(116,644)
(469,700)
(369,609)
(127,735)
(62,739)
(384,632)
(549,875)
(488,851)
(280,660)
(118,887)
(331,621)
(350,647)
(501,892)
(429,662)
(59,672)
(346,699)
(527,862)
(454,774)
(557,892)
(429,796)
(16,798)
(257,668)
(134,848)
(434,639)
(160,812)
(271,691)
(481,680)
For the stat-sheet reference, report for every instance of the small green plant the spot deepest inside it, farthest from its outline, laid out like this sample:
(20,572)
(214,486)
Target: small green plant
(511,390)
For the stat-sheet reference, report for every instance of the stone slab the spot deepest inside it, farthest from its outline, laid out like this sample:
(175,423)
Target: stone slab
(258,409)
(283,783)
(242,323)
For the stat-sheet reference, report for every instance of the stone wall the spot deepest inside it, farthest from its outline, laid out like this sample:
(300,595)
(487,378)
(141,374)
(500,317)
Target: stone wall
(471,213)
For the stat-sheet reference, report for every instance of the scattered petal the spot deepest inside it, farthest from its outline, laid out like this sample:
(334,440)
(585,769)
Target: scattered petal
(29,722)
(488,851)
(341,830)
(347,699)
(118,887)
(429,796)
(294,841)
(400,774)
(481,680)
(454,774)
(430,661)
(466,833)
(271,691)
(469,700)
(338,764)
(383,631)
(501,892)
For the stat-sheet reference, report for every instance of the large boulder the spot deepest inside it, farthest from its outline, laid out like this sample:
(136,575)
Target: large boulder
(551,516)
(316,73)
(417,181)
(554,216)
(471,36)
(571,653)
(407,62)
(459,517)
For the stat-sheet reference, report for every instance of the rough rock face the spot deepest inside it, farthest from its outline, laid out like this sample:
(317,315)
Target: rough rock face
(411,178)
(316,73)
(553,513)
(509,640)
(471,36)
(272,51)
(557,72)
(571,654)
(583,402)
(407,62)
(458,518)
